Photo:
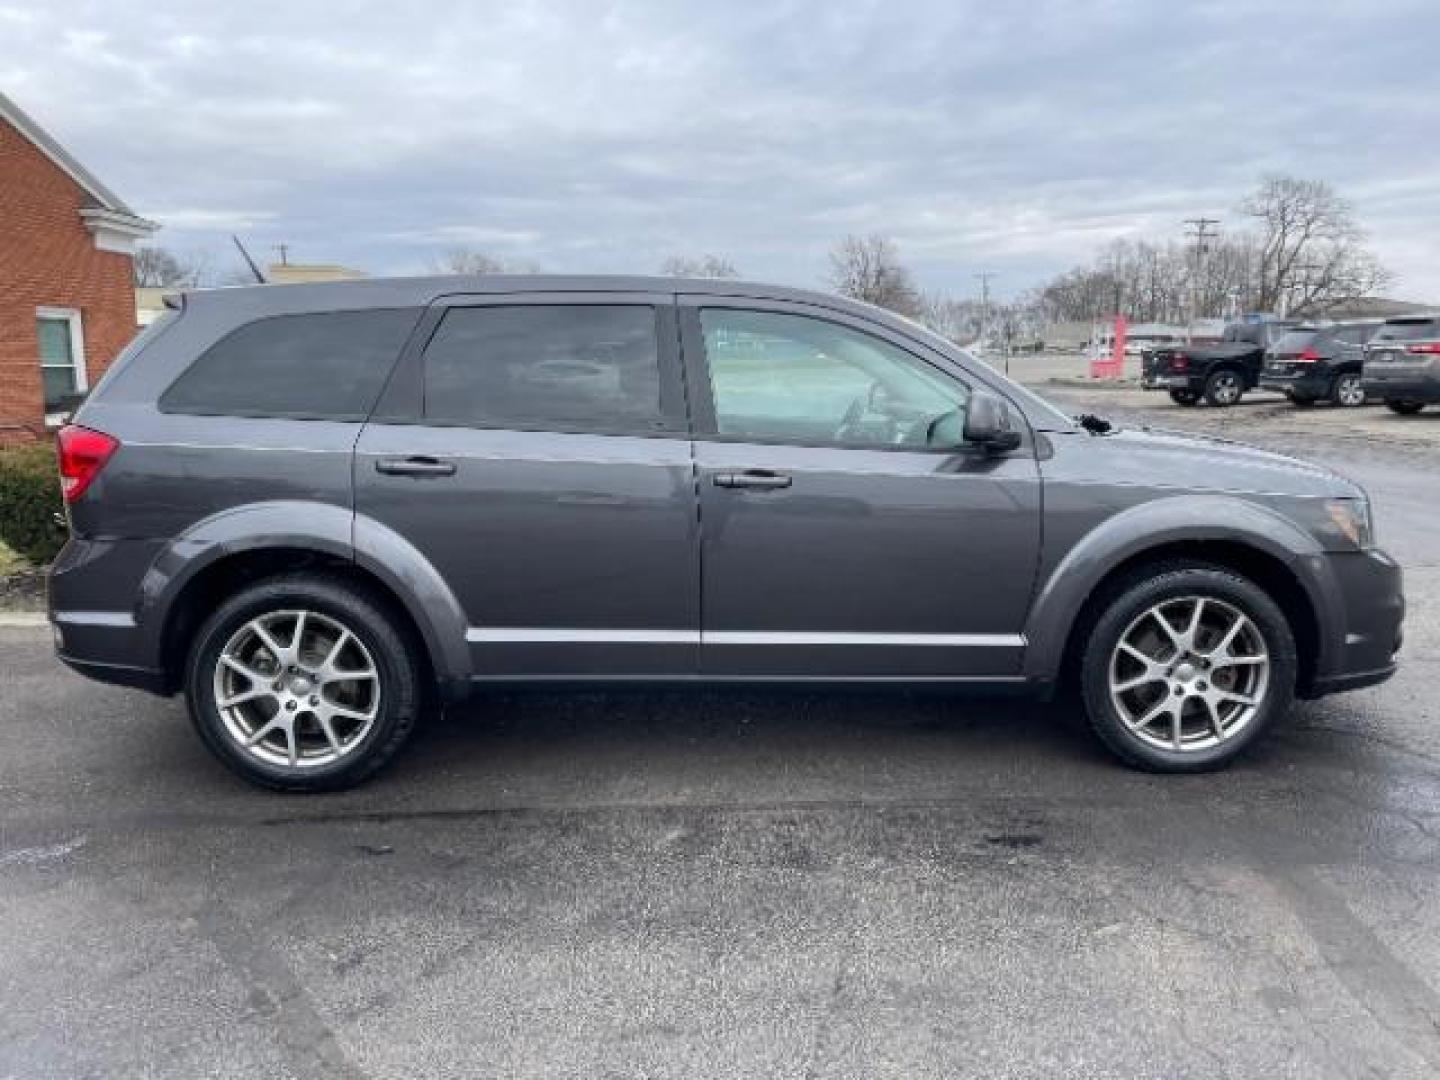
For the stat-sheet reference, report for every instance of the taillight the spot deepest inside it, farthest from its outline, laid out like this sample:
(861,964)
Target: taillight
(1430,348)
(83,453)
(1306,356)
(1179,361)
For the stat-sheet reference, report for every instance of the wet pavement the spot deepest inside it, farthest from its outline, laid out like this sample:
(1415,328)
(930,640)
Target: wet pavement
(741,884)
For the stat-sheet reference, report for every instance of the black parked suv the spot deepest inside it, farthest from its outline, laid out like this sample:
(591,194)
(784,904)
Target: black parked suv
(1402,363)
(320,510)
(1320,363)
(1219,373)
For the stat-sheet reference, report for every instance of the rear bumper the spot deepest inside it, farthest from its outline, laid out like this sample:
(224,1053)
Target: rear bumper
(93,589)
(1171,382)
(1402,386)
(149,679)
(1371,624)
(1311,384)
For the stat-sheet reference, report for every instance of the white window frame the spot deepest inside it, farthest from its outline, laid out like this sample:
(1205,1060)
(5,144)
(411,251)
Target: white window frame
(77,353)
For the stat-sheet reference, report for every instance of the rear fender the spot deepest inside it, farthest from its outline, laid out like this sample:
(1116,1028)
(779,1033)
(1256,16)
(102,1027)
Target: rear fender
(323,529)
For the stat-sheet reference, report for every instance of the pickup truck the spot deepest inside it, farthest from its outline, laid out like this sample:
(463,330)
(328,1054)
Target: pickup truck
(1220,373)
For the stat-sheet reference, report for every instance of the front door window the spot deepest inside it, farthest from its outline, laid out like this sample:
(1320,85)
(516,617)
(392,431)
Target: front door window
(784,378)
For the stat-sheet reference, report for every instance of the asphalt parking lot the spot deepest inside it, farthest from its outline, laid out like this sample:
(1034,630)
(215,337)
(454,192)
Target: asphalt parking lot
(746,884)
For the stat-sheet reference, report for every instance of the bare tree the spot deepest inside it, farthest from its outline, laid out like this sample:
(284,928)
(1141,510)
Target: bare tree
(1311,249)
(703,266)
(158,267)
(959,320)
(461,260)
(868,268)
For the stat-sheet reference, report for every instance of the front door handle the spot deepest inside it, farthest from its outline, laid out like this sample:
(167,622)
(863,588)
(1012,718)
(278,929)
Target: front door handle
(419,465)
(754,479)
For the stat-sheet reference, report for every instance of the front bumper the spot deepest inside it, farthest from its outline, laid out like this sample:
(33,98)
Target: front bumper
(1370,626)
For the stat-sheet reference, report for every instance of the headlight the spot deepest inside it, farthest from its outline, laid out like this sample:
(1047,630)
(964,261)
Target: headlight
(1349,521)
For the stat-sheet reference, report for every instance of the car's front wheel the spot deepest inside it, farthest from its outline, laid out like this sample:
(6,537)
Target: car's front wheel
(303,683)
(1224,388)
(1185,666)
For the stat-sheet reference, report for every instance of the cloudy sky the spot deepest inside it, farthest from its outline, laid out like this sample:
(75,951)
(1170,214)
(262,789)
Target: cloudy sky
(580,135)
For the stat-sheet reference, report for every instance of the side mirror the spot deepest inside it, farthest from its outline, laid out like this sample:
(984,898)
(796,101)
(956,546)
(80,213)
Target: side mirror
(989,423)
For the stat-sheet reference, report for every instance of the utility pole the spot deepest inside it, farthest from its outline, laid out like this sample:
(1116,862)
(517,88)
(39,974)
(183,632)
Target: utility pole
(984,277)
(284,250)
(1200,230)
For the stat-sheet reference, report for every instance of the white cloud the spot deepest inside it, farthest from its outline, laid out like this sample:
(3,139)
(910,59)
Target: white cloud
(591,136)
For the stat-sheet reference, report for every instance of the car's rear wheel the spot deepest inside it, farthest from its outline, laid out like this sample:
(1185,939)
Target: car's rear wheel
(1224,388)
(303,683)
(1405,408)
(1184,397)
(1348,390)
(1185,666)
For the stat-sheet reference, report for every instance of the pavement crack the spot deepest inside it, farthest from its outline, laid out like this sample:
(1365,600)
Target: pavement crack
(308,1044)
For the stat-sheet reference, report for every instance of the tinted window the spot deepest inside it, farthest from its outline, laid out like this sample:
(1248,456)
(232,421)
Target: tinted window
(1295,341)
(1409,330)
(788,378)
(573,367)
(330,365)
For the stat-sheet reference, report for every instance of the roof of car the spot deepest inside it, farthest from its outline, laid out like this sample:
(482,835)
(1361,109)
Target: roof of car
(414,291)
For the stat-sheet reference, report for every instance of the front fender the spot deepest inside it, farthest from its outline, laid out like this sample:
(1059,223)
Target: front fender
(1151,526)
(322,528)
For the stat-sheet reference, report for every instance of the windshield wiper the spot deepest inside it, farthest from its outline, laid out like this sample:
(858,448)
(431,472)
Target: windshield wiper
(1095,425)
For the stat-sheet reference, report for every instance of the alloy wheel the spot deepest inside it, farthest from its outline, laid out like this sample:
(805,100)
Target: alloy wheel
(1189,673)
(296,689)
(1349,391)
(1226,389)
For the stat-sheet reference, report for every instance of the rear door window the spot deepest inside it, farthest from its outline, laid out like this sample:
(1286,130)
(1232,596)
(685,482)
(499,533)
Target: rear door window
(326,365)
(563,367)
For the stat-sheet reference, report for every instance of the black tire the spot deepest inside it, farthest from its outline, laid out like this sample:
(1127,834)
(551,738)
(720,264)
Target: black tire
(1346,391)
(1224,388)
(1184,397)
(351,607)
(1118,611)
(1405,408)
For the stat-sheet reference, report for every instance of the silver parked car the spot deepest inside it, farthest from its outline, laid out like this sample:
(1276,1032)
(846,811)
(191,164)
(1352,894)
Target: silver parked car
(318,510)
(1402,363)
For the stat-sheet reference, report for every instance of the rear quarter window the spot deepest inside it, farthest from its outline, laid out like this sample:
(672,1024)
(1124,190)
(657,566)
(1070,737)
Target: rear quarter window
(1295,341)
(322,366)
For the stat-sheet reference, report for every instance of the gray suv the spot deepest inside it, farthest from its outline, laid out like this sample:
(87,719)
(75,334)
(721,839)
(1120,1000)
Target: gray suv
(321,510)
(1402,363)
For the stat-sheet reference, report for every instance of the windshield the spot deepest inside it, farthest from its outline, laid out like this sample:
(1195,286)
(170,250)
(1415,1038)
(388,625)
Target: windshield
(1042,414)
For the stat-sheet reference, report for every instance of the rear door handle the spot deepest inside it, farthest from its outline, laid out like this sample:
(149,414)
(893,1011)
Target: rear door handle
(754,479)
(418,465)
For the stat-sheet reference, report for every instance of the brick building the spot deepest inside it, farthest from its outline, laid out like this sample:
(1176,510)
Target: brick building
(67,301)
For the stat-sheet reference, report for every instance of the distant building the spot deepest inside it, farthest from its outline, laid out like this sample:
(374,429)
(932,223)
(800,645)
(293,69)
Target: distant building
(67,303)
